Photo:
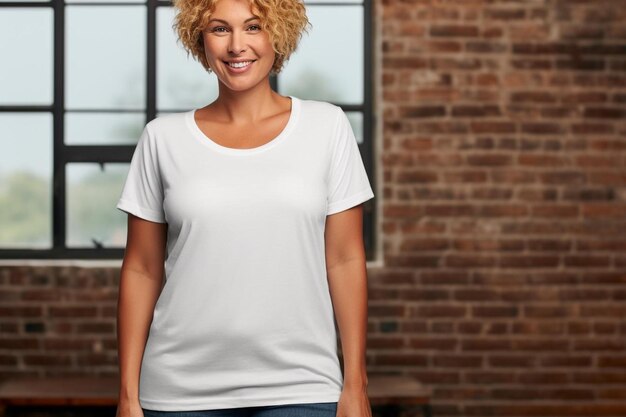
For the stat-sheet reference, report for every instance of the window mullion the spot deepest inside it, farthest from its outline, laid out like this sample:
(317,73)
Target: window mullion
(58,151)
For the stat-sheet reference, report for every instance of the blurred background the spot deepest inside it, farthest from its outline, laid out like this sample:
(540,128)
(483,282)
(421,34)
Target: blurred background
(493,132)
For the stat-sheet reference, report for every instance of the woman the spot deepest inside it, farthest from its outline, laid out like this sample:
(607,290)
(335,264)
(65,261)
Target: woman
(244,231)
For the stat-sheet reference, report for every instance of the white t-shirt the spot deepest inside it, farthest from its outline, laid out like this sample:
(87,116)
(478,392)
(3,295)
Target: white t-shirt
(245,316)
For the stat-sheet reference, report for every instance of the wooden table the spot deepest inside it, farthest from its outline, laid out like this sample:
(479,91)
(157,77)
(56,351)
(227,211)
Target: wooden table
(100,394)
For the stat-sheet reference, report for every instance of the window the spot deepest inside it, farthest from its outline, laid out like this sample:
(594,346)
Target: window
(80,79)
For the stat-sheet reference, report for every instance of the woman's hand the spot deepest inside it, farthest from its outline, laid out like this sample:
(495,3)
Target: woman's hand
(129,409)
(354,402)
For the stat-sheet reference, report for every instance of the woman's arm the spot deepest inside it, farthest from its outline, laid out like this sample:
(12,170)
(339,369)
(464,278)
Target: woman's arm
(347,277)
(141,280)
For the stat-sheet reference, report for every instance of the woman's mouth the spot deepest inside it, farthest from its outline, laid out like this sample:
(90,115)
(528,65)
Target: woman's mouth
(239,67)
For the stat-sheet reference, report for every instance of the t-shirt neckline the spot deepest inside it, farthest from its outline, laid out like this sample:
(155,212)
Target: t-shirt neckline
(206,141)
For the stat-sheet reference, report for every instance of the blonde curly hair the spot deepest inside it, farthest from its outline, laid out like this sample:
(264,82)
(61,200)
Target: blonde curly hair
(283,20)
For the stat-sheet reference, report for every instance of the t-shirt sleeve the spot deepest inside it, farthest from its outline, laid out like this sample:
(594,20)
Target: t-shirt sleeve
(348,184)
(142,193)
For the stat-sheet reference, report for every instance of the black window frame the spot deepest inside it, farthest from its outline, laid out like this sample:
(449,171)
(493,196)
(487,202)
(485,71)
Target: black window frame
(64,154)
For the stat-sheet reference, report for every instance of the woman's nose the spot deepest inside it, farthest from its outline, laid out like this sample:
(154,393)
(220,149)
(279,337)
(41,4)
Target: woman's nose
(236,46)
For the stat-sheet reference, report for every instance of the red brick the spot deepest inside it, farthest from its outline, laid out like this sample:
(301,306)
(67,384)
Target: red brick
(454,30)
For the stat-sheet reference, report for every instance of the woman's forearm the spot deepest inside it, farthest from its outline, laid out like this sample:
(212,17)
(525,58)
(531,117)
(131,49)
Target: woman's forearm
(138,292)
(348,288)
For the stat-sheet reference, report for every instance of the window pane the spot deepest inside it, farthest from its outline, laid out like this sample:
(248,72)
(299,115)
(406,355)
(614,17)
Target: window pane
(106,57)
(25,180)
(356,121)
(92,193)
(179,78)
(103,128)
(107,1)
(26,47)
(329,57)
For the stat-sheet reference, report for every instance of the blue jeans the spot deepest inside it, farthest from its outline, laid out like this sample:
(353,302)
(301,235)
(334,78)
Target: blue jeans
(286,410)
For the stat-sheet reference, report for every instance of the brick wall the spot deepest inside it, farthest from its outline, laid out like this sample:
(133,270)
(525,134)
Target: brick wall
(502,162)
(58,320)
(503,209)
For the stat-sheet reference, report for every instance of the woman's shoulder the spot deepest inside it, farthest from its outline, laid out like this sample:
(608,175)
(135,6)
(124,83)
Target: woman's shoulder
(166,120)
(323,110)
(167,125)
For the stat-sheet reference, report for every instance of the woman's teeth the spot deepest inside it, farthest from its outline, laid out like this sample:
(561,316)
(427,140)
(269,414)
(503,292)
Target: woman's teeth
(240,64)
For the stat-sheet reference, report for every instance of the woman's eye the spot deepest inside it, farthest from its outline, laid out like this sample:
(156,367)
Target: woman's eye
(217,29)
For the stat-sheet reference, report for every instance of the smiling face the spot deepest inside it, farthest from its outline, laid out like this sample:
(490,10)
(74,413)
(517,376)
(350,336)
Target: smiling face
(232,35)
